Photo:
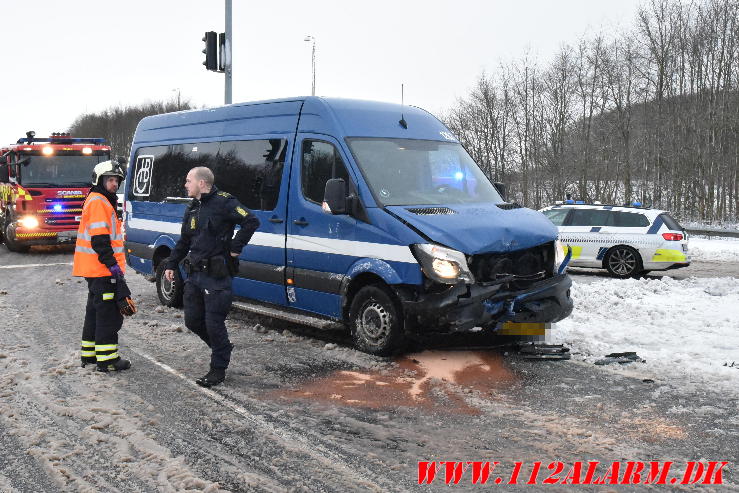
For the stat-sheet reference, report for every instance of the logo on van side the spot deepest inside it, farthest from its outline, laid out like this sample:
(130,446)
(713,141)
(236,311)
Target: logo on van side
(142,175)
(448,136)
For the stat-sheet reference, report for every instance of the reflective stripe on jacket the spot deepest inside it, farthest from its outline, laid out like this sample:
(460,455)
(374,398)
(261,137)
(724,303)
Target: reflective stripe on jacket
(98,218)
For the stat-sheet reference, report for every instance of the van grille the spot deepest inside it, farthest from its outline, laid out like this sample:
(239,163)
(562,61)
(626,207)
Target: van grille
(432,211)
(530,262)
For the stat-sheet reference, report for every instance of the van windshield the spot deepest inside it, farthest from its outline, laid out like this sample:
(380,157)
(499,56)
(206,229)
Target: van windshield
(421,172)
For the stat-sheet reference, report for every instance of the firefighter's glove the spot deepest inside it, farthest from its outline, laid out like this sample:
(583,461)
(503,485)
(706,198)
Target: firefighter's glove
(126,306)
(116,271)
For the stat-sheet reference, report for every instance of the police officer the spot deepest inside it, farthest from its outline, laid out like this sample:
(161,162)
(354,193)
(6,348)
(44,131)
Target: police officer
(210,259)
(99,258)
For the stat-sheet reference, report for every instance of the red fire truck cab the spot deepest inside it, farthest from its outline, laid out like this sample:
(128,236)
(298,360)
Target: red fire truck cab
(43,184)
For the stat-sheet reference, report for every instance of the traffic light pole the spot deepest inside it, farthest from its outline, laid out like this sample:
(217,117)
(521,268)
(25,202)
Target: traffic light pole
(227,54)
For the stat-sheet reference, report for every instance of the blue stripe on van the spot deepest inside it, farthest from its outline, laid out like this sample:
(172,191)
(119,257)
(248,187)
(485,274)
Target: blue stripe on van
(595,229)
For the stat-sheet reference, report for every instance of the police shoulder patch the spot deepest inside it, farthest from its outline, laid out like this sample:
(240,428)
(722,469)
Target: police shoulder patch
(224,194)
(241,211)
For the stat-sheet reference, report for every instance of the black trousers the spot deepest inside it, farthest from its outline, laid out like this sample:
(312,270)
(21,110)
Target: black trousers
(103,320)
(207,302)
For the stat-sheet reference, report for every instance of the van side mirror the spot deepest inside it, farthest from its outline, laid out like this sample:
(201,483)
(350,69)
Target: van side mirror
(4,173)
(500,187)
(334,196)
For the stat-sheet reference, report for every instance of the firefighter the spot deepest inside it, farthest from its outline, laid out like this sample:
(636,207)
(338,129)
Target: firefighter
(210,258)
(99,258)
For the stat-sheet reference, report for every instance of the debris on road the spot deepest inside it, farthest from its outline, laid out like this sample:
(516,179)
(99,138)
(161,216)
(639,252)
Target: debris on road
(620,358)
(544,351)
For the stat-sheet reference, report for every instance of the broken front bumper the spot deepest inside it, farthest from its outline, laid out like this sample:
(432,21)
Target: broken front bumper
(463,307)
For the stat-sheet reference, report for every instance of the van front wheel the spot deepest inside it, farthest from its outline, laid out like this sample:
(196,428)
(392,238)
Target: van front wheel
(375,321)
(170,292)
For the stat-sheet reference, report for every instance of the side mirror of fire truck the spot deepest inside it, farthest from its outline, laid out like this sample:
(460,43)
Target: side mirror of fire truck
(24,162)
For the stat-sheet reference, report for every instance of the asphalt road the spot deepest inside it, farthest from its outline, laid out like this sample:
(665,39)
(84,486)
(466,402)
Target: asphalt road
(302,411)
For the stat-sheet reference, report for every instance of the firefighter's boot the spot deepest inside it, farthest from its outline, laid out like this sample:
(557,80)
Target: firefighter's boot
(87,353)
(88,360)
(214,377)
(117,365)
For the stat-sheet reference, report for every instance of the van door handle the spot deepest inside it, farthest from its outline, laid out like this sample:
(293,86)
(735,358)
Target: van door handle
(301,222)
(275,220)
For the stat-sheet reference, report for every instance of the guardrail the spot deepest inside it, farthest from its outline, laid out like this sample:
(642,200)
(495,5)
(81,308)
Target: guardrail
(713,232)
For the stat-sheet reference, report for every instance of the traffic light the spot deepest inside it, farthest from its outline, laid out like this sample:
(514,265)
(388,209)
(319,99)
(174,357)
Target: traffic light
(211,50)
(222,52)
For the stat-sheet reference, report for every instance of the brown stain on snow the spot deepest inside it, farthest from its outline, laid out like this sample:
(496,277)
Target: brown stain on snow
(431,380)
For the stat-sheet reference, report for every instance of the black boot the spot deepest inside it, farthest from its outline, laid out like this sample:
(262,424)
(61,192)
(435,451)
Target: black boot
(88,360)
(116,365)
(214,377)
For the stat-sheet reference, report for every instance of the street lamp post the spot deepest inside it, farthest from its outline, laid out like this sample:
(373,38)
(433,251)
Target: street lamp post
(313,63)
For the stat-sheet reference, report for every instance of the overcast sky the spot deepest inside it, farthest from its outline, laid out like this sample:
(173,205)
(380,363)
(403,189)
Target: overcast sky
(64,58)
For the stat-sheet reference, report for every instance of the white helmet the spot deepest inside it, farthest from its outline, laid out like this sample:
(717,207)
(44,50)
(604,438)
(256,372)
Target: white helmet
(107,168)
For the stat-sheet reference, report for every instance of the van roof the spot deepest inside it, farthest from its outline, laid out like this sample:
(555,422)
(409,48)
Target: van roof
(333,116)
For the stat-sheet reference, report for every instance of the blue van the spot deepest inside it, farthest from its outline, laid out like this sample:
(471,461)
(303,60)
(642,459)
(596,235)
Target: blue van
(373,217)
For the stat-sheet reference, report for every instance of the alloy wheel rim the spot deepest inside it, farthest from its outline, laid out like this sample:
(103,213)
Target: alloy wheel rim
(622,262)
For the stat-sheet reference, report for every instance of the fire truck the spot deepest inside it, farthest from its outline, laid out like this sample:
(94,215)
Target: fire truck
(43,184)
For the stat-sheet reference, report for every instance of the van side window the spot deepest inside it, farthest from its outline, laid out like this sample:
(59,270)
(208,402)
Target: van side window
(321,162)
(251,170)
(156,174)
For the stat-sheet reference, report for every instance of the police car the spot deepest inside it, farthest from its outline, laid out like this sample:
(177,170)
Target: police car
(628,241)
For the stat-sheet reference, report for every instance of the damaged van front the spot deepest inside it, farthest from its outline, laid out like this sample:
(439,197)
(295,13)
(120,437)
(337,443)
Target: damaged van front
(484,261)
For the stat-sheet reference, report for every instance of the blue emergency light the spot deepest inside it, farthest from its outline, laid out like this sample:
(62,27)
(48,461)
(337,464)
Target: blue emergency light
(57,208)
(636,204)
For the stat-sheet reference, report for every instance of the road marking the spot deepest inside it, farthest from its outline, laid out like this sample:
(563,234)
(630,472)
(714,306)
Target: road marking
(32,265)
(312,449)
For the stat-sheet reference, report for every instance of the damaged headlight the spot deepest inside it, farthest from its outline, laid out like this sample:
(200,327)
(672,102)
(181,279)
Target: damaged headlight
(443,264)
(561,257)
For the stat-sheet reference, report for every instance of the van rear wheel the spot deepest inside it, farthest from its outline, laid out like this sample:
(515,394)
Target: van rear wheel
(376,322)
(169,292)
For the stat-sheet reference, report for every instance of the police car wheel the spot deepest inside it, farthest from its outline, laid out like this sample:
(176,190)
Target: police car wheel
(170,293)
(10,241)
(375,321)
(623,262)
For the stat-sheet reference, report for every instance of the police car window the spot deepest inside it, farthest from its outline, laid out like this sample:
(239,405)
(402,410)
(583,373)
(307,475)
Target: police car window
(251,170)
(670,222)
(629,220)
(589,217)
(557,216)
(321,162)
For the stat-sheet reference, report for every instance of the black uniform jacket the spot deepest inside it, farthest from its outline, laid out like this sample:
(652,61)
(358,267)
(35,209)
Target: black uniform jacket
(208,226)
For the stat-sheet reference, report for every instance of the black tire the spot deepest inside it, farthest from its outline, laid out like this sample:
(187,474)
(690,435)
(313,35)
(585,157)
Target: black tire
(376,321)
(623,262)
(10,241)
(170,293)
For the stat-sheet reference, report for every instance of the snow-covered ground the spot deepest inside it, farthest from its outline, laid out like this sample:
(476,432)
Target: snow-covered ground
(714,249)
(686,330)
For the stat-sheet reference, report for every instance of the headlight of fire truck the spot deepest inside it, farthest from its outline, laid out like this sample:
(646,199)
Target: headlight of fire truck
(443,264)
(28,222)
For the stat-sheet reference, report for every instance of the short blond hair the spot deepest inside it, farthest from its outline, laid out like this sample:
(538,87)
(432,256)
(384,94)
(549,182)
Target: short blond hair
(205,174)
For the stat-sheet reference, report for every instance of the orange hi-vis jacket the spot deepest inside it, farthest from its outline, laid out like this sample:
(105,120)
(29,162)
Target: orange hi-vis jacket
(98,218)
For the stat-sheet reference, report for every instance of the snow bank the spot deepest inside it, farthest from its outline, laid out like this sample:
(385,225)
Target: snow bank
(714,249)
(686,330)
